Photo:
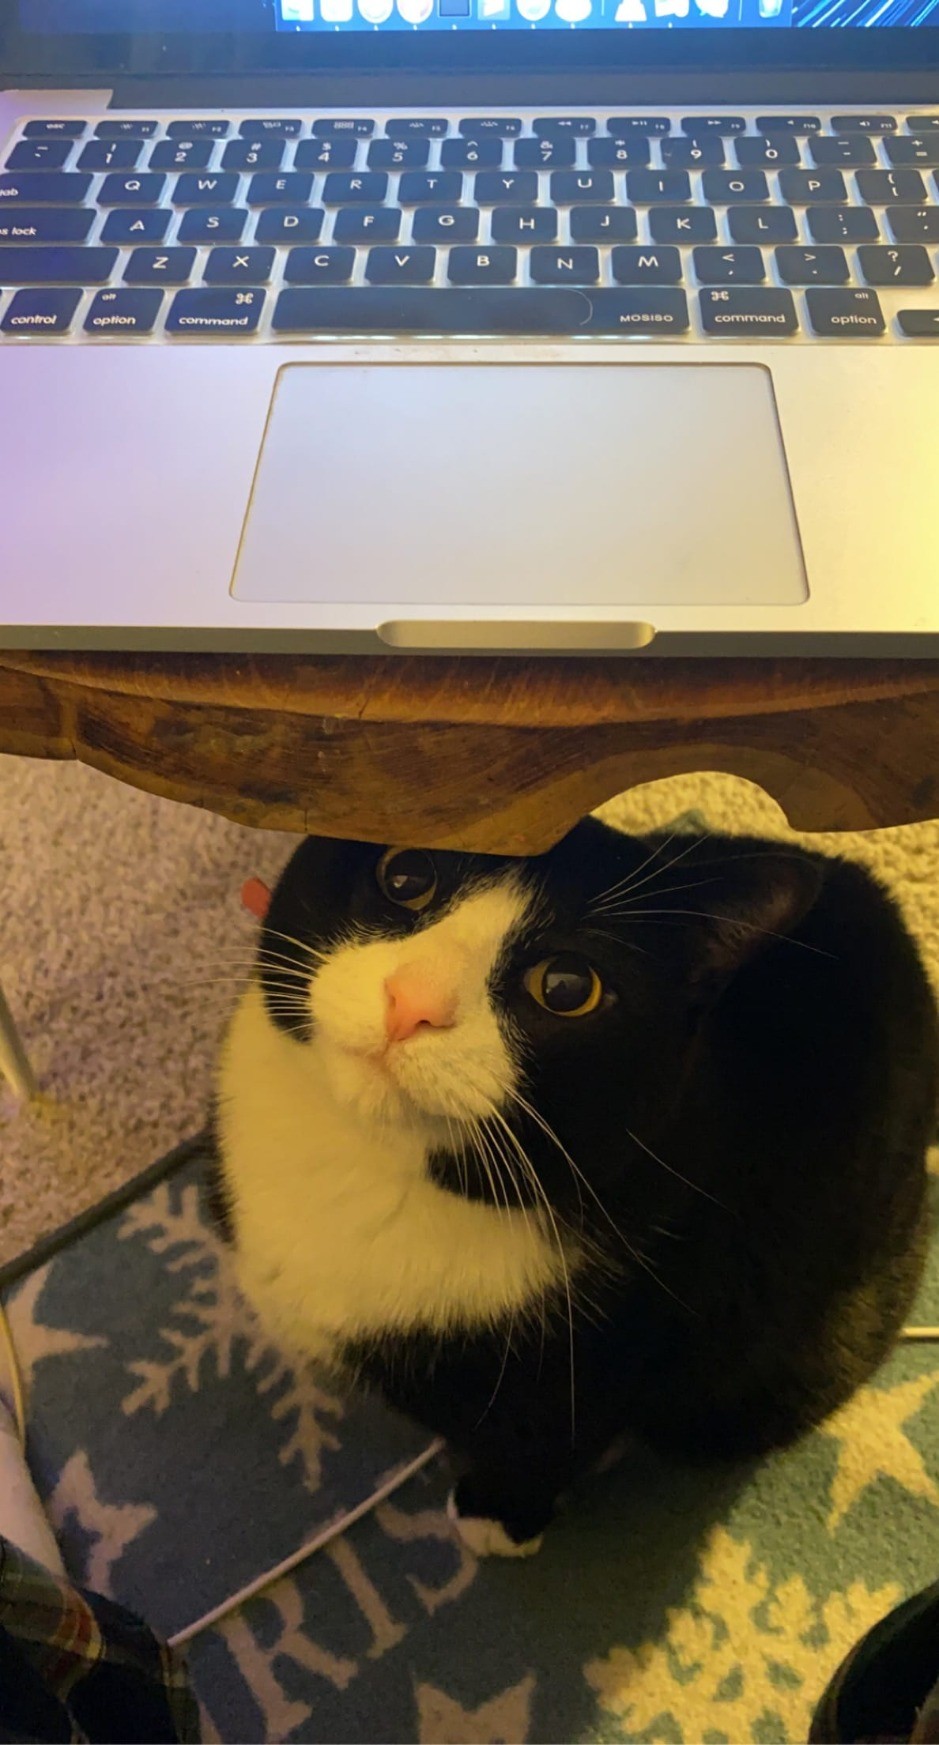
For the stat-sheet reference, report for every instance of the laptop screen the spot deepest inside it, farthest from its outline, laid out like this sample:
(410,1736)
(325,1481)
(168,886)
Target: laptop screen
(332,17)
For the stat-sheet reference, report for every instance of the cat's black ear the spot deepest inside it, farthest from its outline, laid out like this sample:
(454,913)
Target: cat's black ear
(751,902)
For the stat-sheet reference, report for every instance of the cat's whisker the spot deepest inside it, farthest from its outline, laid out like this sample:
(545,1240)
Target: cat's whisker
(498,1115)
(735,920)
(633,882)
(623,908)
(630,1247)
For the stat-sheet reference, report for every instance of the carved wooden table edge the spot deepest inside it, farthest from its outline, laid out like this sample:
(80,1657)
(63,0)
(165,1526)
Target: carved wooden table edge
(492,754)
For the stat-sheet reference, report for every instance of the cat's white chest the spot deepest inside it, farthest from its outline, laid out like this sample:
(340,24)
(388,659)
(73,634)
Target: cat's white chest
(339,1232)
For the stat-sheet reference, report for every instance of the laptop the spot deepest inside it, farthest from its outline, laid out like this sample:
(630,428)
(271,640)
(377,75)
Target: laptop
(562,326)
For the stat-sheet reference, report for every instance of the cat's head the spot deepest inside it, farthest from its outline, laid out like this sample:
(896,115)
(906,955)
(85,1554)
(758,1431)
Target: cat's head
(479,999)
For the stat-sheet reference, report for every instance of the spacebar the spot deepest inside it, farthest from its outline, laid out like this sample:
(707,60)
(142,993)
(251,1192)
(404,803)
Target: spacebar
(363,310)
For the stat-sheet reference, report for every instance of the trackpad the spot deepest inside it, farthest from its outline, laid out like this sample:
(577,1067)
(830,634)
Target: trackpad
(532,485)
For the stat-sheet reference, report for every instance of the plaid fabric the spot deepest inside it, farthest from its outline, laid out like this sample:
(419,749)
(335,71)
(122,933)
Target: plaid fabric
(77,1667)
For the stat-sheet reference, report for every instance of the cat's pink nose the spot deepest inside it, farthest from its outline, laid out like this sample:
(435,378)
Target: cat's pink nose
(412,1001)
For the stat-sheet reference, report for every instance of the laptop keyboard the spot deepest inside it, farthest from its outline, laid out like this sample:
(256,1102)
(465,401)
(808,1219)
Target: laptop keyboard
(768,226)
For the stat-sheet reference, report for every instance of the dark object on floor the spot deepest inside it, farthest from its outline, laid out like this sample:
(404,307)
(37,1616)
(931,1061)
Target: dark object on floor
(888,1687)
(74,1665)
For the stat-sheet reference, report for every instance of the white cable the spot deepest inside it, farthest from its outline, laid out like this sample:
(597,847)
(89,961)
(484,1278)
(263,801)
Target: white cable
(324,1537)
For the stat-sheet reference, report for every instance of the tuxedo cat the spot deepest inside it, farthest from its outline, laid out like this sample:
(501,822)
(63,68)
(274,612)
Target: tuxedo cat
(625,1138)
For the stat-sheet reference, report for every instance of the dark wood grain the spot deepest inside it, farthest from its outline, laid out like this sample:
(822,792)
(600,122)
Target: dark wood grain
(497,755)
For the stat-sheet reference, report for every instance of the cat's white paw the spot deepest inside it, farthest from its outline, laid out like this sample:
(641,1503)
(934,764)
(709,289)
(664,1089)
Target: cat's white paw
(489,1538)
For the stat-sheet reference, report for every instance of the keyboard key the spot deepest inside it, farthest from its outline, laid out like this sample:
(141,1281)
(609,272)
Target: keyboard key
(43,188)
(57,266)
(774,153)
(119,312)
(637,310)
(438,187)
(805,187)
(288,224)
(692,154)
(215,129)
(644,265)
(126,129)
(625,126)
(687,224)
(565,266)
(574,187)
(292,187)
(225,313)
(846,148)
(373,310)
(843,224)
(912,149)
(329,128)
(788,124)
(908,264)
(179,154)
(210,189)
(41,154)
(41,312)
(112,154)
(326,154)
(400,266)
(915,123)
(914,223)
(367,224)
(740,313)
(700,125)
(54,129)
(547,154)
(845,314)
(282,127)
(524,224)
(864,123)
(319,266)
(416,126)
(618,154)
(143,189)
(445,224)
(505,187)
(488,265)
(812,266)
(205,224)
(731,187)
(649,187)
(45,224)
(603,223)
(132,224)
(471,154)
(563,126)
(891,187)
(239,266)
(398,154)
(729,266)
(919,323)
(762,224)
(253,154)
(367,188)
(506,126)
(160,266)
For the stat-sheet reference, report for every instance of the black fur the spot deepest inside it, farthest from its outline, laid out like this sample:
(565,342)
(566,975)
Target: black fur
(751,1111)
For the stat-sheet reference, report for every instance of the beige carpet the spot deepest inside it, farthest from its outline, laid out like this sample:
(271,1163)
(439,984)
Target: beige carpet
(121,937)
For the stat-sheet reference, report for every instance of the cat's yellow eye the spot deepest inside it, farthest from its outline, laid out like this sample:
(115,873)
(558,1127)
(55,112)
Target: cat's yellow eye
(408,877)
(566,985)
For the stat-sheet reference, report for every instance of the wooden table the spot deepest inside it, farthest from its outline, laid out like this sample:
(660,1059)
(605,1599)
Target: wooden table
(493,755)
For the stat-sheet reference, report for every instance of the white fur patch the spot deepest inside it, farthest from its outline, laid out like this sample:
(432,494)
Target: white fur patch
(340,1232)
(489,1538)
